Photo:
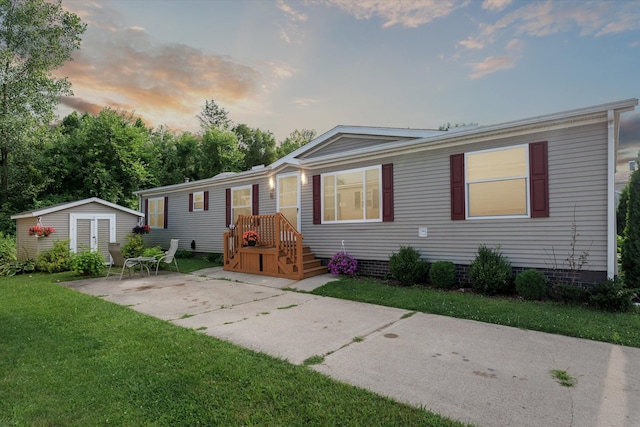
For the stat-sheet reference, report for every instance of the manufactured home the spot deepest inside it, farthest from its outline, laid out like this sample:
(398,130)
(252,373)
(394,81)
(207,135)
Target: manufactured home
(541,188)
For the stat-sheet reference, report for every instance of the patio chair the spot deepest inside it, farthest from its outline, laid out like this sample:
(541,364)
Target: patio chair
(169,256)
(120,261)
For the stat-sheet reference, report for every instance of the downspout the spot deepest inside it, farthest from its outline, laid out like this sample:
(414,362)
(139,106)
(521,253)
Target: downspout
(613,119)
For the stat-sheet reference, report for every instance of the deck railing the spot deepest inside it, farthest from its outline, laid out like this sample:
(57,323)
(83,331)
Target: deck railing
(273,230)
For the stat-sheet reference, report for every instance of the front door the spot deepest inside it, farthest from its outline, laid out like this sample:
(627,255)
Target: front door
(93,232)
(289,198)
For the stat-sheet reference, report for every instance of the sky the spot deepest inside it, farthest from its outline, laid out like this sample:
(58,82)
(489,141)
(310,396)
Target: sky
(281,65)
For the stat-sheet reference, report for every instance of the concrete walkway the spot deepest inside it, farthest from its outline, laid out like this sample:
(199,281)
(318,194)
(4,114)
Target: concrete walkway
(475,372)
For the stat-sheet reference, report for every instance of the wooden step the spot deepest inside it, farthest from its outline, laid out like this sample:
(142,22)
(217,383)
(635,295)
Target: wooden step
(312,263)
(315,271)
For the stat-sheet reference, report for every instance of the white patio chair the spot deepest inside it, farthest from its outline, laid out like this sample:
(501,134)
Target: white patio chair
(120,261)
(169,256)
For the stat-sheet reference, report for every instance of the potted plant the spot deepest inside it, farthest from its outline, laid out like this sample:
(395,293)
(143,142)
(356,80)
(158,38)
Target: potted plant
(250,238)
(141,229)
(40,231)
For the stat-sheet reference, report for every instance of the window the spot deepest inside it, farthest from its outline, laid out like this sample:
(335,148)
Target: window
(156,212)
(352,195)
(499,183)
(240,202)
(199,201)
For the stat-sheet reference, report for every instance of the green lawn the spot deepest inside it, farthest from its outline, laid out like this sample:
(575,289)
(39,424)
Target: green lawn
(71,359)
(574,321)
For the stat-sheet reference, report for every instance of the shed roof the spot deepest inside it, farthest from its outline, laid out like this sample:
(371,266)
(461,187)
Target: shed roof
(68,205)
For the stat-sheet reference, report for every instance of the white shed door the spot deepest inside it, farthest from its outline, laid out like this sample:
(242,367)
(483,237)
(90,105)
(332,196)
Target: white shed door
(92,231)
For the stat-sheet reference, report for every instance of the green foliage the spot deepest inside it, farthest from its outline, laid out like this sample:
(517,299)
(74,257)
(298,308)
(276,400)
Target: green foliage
(185,254)
(220,152)
(407,266)
(531,284)
(295,140)
(630,260)
(215,258)
(568,294)
(612,296)
(442,274)
(491,271)
(155,251)
(133,247)
(87,263)
(258,147)
(56,259)
(214,116)
(11,268)
(621,211)
(8,250)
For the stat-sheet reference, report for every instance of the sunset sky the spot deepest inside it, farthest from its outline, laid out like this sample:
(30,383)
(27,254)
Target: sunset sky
(281,65)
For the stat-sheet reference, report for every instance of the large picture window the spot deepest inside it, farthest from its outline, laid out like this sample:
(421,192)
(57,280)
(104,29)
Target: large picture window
(155,213)
(497,182)
(352,196)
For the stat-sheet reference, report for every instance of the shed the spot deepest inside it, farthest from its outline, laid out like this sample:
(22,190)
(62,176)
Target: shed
(89,223)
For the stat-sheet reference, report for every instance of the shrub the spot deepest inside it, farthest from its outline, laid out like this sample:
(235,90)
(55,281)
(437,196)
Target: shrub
(11,268)
(442,274)
(568,294)
(491,271)
(343,263)
(531,284)
(87,263)
(134,247)
(407,266)
(56,259)
(611,296)
(630,260)
(215,258)
(183,253)
(153,252)
(8,251)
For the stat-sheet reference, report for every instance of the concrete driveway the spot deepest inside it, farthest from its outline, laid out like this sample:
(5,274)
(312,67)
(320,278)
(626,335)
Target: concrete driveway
(474,372)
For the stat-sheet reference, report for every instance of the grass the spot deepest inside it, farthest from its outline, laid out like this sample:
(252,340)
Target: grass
(555,318)
(74,360)
(563,377)
(189,265)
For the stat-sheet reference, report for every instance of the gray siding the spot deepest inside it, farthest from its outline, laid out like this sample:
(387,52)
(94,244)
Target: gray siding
(30,247)
(205,227)
(348,143)
(577,181)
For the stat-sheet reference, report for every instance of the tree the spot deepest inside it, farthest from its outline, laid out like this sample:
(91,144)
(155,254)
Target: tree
(36,37)
(259,147)
(295,140)
(219,153)
(631,246)
(621,211)
(213,115)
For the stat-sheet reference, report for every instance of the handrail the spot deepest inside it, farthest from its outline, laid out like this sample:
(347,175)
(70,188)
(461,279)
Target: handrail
(273,230)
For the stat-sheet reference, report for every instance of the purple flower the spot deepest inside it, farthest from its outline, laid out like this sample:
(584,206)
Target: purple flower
(343,263)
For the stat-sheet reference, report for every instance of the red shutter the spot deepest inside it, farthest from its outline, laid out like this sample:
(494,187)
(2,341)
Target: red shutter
(190,202)
(206,200)
(387,192)
(457,187)
(317,205)
(255,200)
(166,212)
(539,179)
(146,211)
(228,207)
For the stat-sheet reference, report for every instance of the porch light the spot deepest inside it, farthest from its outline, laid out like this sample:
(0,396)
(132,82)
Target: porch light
(272,184)
(303,178)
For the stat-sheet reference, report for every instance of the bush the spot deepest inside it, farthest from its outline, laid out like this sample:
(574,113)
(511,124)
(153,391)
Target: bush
(442,274)
(155,251)
(343,263)
(407,266)
(531,284)
(56,259)
(87,263)
(134,247)
(611,296)
(491,271)
(215,258)
(183,253)
(11,268)
(630,259)
(568,294)
(8,251)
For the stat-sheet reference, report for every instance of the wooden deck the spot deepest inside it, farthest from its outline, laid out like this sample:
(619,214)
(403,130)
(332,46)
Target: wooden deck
(278,253)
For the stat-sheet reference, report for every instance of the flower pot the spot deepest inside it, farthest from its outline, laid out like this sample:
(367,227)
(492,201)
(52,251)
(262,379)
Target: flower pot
(251,243)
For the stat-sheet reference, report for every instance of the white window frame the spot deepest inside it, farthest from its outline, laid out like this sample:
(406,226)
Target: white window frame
(363,191)
(149,213)
(250,206)
(526,177)
(195,194)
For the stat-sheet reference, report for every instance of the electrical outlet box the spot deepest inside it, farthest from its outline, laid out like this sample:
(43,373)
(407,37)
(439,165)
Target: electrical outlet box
(422,231)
